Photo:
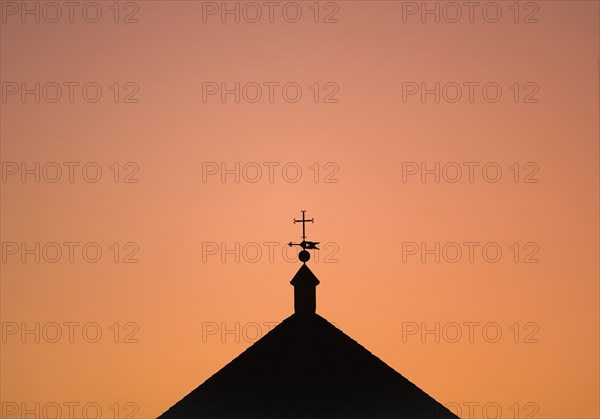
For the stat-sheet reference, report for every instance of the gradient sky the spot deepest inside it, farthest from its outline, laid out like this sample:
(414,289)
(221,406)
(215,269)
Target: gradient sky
(177,307)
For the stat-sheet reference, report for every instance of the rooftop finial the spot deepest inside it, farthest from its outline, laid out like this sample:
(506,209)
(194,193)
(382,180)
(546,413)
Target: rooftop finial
(304,256)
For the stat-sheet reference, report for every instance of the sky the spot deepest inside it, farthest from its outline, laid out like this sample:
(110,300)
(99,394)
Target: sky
(155,154)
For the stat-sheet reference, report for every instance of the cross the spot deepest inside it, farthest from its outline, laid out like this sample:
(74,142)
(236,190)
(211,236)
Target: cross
(304,221)
(304,255)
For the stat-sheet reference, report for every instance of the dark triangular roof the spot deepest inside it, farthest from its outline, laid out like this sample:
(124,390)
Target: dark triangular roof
(307,368)
(304,277)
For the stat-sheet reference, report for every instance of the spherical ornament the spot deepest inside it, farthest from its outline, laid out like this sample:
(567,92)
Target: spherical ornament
(304,256)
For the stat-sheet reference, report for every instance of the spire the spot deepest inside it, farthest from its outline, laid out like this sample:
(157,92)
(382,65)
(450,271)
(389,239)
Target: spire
(305,291)
(304,282)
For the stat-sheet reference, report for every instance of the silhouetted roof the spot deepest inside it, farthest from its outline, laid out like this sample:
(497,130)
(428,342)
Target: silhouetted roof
(307,368)
(305,277)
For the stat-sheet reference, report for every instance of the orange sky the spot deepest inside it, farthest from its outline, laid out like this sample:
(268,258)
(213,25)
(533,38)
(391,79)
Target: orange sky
(361,137)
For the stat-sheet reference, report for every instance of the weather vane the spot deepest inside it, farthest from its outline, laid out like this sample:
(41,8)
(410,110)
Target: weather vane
(304,256)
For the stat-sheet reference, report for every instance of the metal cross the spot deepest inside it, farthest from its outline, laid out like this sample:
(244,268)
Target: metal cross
(304,221)
(304,244)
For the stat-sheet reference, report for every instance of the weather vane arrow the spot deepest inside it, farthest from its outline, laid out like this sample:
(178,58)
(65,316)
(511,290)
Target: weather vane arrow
(304,256)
